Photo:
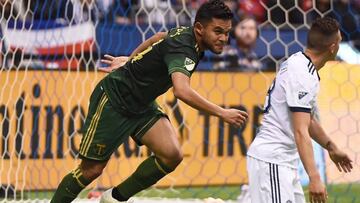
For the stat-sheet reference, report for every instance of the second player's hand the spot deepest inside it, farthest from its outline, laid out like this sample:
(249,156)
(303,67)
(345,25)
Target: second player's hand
(317,191)
(341,160)
(113,62)
(235,117)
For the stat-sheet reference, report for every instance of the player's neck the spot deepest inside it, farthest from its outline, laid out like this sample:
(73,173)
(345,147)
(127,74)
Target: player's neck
(199,42)
(317,59)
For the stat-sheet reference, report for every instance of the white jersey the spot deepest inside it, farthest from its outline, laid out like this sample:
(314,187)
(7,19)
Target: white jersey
(294,89)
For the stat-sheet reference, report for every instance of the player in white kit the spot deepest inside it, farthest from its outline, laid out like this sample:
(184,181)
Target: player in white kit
(289,123)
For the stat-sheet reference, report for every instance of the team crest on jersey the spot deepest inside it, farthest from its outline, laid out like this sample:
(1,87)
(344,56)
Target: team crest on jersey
(302,94)
(100,149)
(189,64)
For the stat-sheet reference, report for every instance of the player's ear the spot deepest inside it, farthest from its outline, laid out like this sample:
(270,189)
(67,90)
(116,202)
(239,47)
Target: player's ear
(198,28)
(334,45)
(332,48)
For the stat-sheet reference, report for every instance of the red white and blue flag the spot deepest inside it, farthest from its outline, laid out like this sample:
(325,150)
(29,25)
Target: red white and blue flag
(51,41)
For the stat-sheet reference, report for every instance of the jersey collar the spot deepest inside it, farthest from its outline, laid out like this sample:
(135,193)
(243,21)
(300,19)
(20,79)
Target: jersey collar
(200,53)
(311,64)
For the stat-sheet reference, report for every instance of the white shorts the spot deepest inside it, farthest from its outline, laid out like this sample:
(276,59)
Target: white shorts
(272,183)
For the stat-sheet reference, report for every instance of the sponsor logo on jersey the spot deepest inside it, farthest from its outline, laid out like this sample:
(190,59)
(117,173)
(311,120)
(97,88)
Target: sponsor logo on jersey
(302,94)
(189,64)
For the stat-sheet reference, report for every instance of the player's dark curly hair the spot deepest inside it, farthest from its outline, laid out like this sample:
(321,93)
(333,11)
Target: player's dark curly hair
(322,33)
(213,9)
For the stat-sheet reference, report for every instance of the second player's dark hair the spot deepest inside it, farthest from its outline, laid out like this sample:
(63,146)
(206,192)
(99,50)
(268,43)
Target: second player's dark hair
(321,33)
(213,9)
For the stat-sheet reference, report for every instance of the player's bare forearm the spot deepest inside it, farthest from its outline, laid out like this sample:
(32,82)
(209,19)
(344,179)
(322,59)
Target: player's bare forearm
(148,42)
(184,92)
(195,100)
(306,153)
(318,134)
(301,124)
(340,158)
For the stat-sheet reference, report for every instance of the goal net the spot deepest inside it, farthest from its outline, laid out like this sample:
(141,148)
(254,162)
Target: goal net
(49,54)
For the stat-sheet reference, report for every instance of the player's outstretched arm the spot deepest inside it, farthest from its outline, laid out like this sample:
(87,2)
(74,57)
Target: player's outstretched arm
(184,92)
(113,62)
(156,37)
(117,62)
(301,124)
(341,159)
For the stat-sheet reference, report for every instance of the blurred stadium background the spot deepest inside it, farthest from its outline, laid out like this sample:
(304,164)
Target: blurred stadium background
(50,51)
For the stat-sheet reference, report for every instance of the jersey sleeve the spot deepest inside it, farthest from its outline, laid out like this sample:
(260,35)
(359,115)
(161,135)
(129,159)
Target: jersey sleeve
(300,93)
(179,52)
(180,62)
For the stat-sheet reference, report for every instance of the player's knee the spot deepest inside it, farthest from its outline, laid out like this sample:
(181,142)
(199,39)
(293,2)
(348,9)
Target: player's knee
(173,158)
(177,157)
(92,171)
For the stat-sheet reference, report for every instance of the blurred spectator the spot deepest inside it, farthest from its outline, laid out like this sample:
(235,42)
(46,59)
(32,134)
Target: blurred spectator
(119,11)
(157,12)
(285,11)
(347,12)
(84,11)
(320,5)
(10,11)
(191,6)
(48,10)
(240,54)
(7,10)
(233,5)
(68,11)
(252,7)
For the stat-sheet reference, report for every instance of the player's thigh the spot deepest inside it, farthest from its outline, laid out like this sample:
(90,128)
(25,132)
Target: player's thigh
(287,184)
(161,139)
(104,130)
(270,182)
(259,181)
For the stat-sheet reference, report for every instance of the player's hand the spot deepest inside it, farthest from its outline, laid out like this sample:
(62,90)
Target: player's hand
(341,160)
(317,191)
(113,62)
(235,117)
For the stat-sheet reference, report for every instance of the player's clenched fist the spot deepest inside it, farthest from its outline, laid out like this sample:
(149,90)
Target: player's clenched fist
(234,117)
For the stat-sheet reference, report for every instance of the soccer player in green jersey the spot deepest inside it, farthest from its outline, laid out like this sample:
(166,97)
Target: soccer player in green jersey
(123,104)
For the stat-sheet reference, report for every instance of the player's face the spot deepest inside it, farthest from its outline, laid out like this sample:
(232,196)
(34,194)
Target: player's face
(215,34)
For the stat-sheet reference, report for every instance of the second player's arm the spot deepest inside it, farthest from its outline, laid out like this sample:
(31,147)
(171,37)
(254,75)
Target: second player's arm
(183,91)
(301,123)
(341,159)
(318,134)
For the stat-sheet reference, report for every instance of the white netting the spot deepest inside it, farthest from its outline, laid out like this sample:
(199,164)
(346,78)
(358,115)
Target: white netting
(49,51)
